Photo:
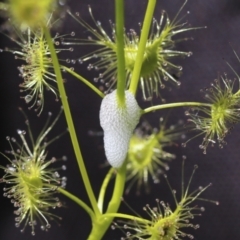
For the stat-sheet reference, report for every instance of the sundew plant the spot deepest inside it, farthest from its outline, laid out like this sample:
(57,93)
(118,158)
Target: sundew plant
(116,120)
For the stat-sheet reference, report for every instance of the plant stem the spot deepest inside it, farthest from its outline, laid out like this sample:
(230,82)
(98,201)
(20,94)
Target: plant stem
(85,81)
(172,105)
(102,224)
(118,189)
(126,216)
(121,75)
(78,201)
(103,189)
(70,124)
(142,45)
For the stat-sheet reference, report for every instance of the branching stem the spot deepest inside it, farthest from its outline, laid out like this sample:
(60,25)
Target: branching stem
(142,45)
(173,105)
(104,188)
(70,124)
(78,201)
(126,216)
(121,75)
(85,81)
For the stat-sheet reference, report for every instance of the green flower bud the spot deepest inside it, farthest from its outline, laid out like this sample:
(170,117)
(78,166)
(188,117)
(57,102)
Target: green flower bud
(30,13)
(31,183)
(157,67)
(165,222)
(216,121)
(36,69)
(147,154)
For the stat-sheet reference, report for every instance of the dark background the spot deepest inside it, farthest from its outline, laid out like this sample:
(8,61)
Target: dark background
(218,166)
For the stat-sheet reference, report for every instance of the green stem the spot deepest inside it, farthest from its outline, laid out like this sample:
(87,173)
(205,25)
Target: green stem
(102,224)
(85,81)
(103,189)
(121,75)
(172,105)
(141,47)
(118,189)
(237,93)
(69,120)
(126,216)
(78,201)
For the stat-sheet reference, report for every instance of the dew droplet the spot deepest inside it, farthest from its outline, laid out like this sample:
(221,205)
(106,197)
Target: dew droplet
(184,145)
(28,98)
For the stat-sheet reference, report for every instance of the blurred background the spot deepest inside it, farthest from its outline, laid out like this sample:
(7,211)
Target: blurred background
(211,49)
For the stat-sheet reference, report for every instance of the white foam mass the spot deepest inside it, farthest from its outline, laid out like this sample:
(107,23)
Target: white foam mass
(118,124)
